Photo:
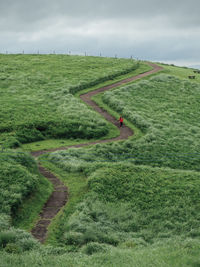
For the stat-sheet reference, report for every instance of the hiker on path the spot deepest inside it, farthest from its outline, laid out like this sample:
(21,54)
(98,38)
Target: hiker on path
(121,120)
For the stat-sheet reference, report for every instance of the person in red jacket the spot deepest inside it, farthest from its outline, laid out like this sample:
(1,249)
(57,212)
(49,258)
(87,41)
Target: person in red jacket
(121,120)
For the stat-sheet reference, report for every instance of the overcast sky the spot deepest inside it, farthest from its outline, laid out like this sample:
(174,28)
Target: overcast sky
(157,30)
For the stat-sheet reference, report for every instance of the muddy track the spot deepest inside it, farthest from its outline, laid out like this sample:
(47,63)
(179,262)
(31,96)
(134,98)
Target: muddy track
(56,201)
(59,195)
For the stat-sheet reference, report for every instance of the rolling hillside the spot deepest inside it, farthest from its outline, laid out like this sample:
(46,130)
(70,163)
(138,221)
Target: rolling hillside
(131,203)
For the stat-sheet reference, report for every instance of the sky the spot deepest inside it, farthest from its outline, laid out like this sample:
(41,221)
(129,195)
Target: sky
(157,30)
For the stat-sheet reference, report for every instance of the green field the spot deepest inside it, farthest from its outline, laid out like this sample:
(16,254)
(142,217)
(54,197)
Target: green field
(181,72)
(37,100)
(132,202)
(166,110)
(139,205)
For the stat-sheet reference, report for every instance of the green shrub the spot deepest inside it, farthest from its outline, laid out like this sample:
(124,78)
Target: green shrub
(4,222)
(13,248)
(17,241)
(28,243)
(73,238)
(7,237)
(25,135)
(11,142)
(94,247)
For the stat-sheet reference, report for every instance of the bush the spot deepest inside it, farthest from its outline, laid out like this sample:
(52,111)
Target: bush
(13,248)
(16,241)
(94,247)
(28,243)
(7,237)
(73,238)
(27,135)
(4,222)
(11,142)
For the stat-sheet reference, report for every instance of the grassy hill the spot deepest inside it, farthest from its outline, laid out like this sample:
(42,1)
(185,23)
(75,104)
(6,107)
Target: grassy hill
(166,110)
(131,203)
(37,101)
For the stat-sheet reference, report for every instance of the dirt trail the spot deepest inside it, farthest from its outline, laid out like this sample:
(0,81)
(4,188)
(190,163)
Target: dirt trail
(56,201)
(59,195)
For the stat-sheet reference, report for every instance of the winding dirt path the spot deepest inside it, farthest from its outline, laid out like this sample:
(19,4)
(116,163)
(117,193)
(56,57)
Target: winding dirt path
(59,195)
(56,201)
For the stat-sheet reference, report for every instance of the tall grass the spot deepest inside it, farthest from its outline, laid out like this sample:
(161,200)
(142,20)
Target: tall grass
(37,99)
(166,110)
(132,214)
(137,206)
(21,196)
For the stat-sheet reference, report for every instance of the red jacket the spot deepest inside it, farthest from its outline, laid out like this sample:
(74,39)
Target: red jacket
(121,119)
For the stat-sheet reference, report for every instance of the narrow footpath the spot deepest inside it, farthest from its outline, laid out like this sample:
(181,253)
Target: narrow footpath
(59,196)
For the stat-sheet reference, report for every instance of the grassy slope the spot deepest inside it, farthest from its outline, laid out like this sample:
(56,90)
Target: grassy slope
(175,256)
(114,113)
(142,67)
(180,72)
(171,129)
(28,212)
(23,190)
(55,143)
(132,204)
(77,185)
(31,66)
(56,78)
(113,131)
(170,254)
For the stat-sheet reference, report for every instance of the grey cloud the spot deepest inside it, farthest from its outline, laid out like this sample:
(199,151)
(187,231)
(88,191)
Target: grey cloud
(150,29)
(180,13)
